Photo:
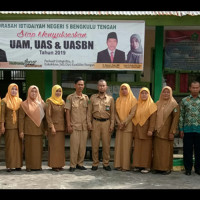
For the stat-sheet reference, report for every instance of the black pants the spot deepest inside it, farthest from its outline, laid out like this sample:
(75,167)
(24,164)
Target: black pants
(191,141)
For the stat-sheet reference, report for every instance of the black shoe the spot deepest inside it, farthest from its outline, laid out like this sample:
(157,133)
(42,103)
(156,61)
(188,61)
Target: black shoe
(94,168)
(166,172)
(28,169)
(107,168)
(188,172)
(80,167)
(37,169)
(197,172)
(72,169)
(18,169)
(118,168)
(154,171)
(55,169)
(9,170)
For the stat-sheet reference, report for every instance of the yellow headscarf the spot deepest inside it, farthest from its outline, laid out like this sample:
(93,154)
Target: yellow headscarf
(13,102)
(125,103)
(144,109)
(164,109)
(56,100)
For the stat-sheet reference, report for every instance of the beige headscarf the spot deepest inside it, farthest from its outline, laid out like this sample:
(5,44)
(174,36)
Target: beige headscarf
(164,108)
(12,102)
(34,108)
(125,103)
(144,109)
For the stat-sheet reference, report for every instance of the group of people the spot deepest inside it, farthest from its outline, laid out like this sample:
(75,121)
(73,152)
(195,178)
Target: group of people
(144,129)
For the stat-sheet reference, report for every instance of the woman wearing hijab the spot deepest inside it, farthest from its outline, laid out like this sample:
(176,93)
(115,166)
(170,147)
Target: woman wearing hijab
(9,126)
(31,128)
(166,125)
(125,110)
(55,115)
(135,55)
(144,121)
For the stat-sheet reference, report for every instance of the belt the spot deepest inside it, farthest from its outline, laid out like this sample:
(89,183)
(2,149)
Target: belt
(101,120)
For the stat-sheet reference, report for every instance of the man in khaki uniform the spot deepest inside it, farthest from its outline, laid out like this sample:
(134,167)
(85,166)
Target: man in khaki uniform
(101,123)
(76,115)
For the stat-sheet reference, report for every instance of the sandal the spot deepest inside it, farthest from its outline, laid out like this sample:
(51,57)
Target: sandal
(145,171)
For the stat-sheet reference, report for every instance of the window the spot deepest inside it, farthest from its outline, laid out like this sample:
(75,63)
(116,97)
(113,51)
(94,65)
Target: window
(18,75)
(1,75)
(12,75)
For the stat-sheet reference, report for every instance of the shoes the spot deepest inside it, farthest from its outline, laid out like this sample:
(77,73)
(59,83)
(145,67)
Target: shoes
(135,169)
(72,169)
(118,168)
(154,171)
(9,170)
(28,170)
(37,169)
(55,169)
(166,172)
(145,171)
(188,172)
(94,168)
(17,169)
(107,168)
(80,167)
(197,172)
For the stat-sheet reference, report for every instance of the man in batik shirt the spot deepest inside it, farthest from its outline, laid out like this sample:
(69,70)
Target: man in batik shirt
(189,126)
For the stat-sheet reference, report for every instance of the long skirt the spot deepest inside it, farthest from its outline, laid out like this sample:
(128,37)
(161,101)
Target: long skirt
(142,154)
(162,154)
(13,149)
(123,149)
(56,150)
(33,151)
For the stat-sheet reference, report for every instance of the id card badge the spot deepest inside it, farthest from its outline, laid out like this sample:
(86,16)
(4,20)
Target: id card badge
(107,108)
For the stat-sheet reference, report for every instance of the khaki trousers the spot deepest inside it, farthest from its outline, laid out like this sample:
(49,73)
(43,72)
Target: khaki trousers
(100,132)
(78,142)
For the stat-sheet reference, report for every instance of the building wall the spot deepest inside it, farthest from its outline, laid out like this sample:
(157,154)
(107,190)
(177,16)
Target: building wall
(36,77)
(149,45)
(151,21)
